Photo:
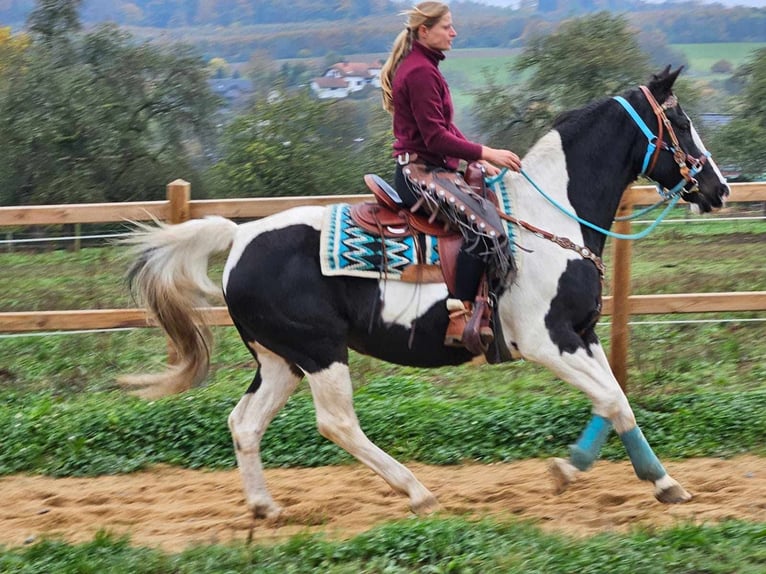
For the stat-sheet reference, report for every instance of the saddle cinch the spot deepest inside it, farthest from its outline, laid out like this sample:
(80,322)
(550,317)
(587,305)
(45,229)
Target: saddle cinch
(388,217)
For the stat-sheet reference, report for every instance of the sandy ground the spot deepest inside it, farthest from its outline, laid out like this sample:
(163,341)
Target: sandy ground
(174,508)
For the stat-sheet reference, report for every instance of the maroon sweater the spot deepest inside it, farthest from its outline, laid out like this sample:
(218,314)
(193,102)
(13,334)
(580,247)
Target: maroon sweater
(423,112)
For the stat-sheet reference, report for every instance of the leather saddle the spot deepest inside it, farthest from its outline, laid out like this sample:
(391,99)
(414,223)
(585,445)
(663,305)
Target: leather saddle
(388,217)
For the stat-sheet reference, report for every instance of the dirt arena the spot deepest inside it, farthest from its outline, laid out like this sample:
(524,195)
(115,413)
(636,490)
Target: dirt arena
(173,508)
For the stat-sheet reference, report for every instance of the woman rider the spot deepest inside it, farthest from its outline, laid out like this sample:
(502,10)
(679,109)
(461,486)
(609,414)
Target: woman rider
(427,142)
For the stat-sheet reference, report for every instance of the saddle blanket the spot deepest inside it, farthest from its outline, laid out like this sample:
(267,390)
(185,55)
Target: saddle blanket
(347,249)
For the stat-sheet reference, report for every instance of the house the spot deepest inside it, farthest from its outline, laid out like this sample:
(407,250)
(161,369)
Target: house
(344,78)
(329,87)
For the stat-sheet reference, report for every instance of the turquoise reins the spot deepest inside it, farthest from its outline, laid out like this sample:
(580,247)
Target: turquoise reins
(671,196)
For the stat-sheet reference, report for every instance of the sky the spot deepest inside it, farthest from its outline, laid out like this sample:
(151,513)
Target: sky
(754,3)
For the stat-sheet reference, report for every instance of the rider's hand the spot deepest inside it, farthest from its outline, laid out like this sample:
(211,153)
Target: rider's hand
(489,169)
(501,157)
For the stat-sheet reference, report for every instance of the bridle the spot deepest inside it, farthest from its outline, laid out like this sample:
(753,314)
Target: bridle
(688,165)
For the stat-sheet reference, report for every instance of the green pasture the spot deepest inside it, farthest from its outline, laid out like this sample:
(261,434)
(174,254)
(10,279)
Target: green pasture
(468,69)
(699,255)
(703,56)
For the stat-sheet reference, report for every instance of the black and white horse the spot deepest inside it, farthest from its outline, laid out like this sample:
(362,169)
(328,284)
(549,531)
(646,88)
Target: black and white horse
(298,322)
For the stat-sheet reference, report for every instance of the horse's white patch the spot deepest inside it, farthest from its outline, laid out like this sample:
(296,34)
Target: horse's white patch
(337,421)
(529,298)
(405,302)
(310,215)
(701,146)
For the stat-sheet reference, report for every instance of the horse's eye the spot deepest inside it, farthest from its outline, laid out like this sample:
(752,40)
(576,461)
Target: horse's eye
(680,121)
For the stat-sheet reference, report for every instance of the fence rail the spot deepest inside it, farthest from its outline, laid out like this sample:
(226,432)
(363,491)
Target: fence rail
(179,207)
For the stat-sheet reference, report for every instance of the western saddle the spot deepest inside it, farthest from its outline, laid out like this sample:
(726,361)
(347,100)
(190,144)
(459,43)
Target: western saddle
(388,217)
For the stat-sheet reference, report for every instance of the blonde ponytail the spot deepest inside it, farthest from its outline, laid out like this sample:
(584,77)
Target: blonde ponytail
(402,47)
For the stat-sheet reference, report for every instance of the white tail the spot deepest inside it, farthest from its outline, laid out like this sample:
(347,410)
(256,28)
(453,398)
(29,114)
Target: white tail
(169,277)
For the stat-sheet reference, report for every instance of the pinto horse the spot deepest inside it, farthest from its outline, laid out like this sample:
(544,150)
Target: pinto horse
(298,322)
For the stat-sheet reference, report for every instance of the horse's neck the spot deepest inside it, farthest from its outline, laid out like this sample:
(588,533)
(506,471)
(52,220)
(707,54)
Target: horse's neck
(583,170)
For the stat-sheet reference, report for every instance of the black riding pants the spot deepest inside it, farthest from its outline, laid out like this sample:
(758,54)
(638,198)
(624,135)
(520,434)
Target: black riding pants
(470,267)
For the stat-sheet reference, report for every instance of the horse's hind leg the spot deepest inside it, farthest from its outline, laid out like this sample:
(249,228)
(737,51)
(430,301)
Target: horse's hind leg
(274,382)
(337,421)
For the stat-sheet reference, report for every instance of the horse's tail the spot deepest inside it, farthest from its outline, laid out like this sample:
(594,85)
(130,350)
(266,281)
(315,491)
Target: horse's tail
(169,277)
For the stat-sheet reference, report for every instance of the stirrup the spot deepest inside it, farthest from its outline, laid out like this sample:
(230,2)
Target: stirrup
(459,313)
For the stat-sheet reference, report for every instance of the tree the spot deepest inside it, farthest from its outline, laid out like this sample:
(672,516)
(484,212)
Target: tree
(587,58)
(97,117)
(296,145)
(510,118)
(722,66)
(11,48)
(743,141)
(218,68)
(53,19)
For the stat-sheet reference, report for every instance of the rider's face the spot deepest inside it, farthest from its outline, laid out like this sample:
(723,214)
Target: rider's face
(440,35)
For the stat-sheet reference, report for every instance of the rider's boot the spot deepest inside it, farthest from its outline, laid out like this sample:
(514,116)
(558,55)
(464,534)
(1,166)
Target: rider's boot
(469,325)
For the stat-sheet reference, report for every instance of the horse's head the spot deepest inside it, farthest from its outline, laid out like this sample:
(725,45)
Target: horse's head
(680,162)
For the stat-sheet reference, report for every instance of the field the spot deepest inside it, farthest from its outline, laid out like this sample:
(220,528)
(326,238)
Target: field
(703,56)
(86,465)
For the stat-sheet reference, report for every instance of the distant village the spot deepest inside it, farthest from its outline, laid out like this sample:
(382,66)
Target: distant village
(344,78)
(339,81)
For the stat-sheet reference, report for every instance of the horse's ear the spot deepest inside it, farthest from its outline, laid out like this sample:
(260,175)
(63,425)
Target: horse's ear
(661,84)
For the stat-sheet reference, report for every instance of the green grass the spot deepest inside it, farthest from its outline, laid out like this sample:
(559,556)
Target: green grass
(106,433)
(429,546)
(702,56)
(467,69)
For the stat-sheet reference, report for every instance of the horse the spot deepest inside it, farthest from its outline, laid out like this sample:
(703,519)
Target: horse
(298,322)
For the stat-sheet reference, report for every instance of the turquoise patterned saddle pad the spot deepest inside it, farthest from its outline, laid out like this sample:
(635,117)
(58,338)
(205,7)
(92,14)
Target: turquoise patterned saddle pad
(347,249)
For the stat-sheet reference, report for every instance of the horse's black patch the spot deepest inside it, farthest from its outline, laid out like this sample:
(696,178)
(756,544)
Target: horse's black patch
(576,308)
(256,384)
(278,296)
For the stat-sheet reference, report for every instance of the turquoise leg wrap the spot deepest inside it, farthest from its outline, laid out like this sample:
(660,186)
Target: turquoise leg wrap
(645,462)
(585,451)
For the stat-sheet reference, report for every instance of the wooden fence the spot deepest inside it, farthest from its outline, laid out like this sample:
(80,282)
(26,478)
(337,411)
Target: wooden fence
(179,207)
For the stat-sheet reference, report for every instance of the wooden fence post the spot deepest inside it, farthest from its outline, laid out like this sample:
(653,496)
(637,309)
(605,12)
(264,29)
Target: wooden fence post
(179,195)
(620,335)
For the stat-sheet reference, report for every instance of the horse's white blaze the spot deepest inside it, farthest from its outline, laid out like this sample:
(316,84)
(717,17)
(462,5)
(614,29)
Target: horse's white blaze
(310,215)
(337,421)
(405,302)
(701,146)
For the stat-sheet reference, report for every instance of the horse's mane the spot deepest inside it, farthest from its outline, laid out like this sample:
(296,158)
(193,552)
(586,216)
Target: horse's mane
(572,117)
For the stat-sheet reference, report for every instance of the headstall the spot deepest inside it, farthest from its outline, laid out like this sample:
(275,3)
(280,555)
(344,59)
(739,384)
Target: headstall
(688,165)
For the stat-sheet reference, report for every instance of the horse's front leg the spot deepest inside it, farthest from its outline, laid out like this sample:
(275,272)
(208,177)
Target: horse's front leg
(587,369)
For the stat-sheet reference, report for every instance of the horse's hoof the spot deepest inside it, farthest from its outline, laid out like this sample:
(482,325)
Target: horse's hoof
(427,505)
(563,472)
(268,511)
(668,491)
